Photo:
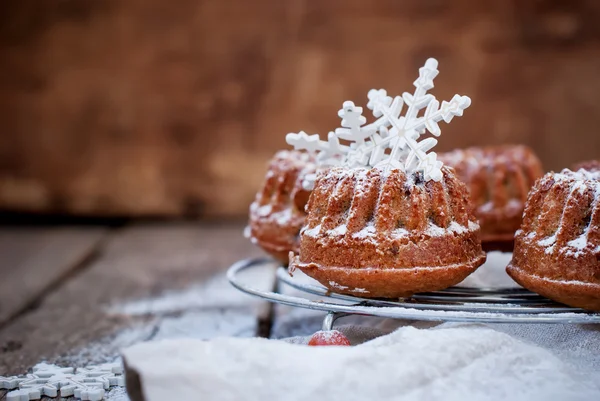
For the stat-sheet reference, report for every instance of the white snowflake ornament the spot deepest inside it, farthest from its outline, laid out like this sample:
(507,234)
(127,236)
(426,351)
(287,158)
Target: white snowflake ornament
(352,119)
(392,140)
(87,384)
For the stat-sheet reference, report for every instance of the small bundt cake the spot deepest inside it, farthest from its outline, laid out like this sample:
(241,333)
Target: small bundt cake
(277,214)
(557,249)
(590,165)
(379,234)
(499,179)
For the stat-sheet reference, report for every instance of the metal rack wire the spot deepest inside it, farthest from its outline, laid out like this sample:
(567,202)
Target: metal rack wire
(458,304)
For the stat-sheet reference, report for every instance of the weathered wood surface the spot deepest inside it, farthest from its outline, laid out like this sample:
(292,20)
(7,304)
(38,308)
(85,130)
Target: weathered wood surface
(139,107)
(34,261)
(149,282)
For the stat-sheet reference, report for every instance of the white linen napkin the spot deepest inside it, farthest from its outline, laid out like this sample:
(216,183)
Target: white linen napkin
(453,363)
(392,360)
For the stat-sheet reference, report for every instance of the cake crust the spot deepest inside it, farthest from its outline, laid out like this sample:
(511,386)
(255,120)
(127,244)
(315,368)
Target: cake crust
(388,283)
(386,235)
(499,179)
(557,249)
(574,293)
(277,213)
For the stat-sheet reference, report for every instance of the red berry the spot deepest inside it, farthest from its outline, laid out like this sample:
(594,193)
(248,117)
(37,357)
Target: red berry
(332,337)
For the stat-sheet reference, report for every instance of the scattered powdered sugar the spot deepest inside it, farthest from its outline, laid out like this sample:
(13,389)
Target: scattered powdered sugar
(264,210)
(116,394)
(581,175)
(283,217)
(486,207)
(311,232)
(579,186)
(473,226)
(399,233)
(339,230)
(579,242)
(437,231)
(215,292)
(548,241)
(340,287)
(368,231)
(457,228)
(514,204)
(337,286)
(327,335)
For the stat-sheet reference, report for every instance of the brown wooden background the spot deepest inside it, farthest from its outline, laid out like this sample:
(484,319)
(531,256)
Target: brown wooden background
(152,107)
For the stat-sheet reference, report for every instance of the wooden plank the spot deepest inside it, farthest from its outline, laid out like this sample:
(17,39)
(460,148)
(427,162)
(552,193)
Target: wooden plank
(151,282)
(181,115)
(33,260)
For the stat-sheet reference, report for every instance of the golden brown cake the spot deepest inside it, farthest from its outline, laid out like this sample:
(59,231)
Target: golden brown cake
(590,165)
(557,249)
(277,214)
(386,235)
(499,179)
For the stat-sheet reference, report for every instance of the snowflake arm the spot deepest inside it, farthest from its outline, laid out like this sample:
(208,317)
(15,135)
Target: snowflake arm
(87,384)
(326,151)
(310,143)
(352,120)
(434,114)
(407,129)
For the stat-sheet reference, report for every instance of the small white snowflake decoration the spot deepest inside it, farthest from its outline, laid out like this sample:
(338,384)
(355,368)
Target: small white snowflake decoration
(392,140)
(87,384)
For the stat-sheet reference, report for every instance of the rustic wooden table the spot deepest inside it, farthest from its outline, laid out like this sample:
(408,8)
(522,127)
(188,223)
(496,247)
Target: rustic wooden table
(60,288)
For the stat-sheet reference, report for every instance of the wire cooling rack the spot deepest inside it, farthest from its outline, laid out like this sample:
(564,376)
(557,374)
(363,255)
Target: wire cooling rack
(458,304)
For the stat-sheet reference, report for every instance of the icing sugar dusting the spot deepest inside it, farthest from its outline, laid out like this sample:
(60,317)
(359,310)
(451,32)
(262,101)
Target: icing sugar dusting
(457,228)
(473,226)
(339,230)
(367,231)
(579,242)
(581,175)
(311,232)
(437,231)
(547,241)
(337,286)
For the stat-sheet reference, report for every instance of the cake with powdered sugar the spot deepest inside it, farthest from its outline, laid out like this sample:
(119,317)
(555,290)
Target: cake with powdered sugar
(388,219)
(277,213)
(557,248)
(388,234)
(499,179)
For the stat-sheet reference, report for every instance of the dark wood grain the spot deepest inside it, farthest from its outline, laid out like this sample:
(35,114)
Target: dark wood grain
(138,262)
(142,108)
(33,261)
